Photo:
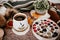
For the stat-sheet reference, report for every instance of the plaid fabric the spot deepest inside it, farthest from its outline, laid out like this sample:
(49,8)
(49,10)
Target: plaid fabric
(18,2)
(21,5)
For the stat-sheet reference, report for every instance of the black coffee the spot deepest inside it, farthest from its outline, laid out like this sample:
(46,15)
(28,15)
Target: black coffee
(19,18)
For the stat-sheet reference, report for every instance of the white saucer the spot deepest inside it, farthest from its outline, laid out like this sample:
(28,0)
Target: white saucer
(21,33)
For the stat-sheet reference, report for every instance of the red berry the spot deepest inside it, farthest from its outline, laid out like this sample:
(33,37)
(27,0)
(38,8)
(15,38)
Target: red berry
(54,24)
(10,23)
(45,23)
(34,27)
(48,21)
(38,29)
(35,30)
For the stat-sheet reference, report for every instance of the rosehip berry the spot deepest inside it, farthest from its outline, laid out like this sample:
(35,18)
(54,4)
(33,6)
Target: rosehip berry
(35,30)
(48,21)
(10,23)
(34,27)
(45,23)
(54,24)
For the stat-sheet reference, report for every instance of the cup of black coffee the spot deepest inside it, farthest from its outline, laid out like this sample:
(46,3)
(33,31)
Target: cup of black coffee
(19,17)
(20,22)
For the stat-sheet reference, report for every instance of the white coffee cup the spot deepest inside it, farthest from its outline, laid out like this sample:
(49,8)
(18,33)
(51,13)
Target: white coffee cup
(20,25)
